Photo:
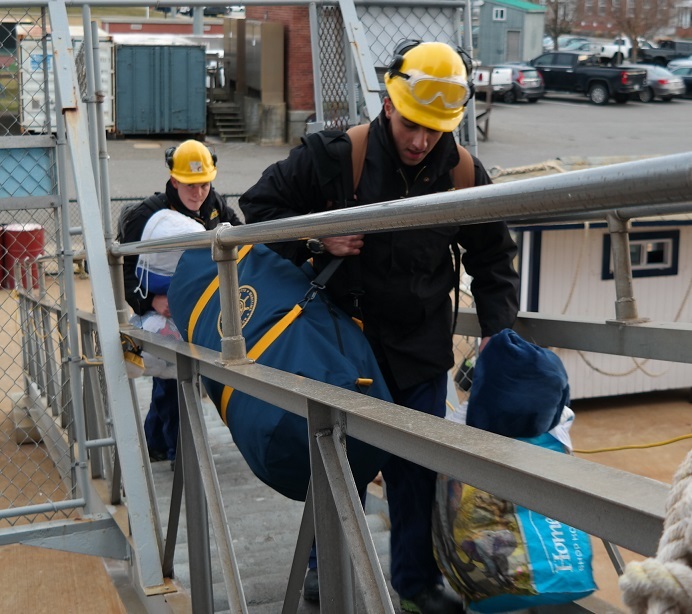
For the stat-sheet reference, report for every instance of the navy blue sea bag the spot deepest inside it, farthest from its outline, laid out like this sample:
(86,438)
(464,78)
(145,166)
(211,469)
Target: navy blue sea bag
(282,329)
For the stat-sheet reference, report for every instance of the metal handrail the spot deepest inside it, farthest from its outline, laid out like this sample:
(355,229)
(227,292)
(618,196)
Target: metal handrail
(662,185)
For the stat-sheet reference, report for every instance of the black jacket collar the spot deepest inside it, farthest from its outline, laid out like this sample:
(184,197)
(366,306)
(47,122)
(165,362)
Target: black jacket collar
(440,161)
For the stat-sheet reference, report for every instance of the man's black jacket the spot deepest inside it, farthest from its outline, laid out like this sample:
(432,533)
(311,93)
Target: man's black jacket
(406,276)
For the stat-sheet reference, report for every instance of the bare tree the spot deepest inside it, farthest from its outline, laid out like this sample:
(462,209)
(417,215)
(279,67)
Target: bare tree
(642,19)
(558,17)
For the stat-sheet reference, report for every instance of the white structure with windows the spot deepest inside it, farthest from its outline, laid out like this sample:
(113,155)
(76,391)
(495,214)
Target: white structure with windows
(568,270)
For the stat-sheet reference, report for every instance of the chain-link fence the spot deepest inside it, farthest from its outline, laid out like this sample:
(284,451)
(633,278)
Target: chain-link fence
(384,27)
(36,441)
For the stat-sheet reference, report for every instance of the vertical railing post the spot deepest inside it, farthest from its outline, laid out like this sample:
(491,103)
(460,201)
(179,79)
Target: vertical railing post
(24,323)
(232,342)
(90,94)
(122,309)
(196,508)
(337,586)
(625,303)
(51,390)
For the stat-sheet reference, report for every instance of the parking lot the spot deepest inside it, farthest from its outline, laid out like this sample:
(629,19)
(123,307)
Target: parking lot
(562,125)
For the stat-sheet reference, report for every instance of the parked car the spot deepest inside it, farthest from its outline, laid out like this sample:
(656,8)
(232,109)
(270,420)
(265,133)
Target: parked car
(580,73)
(568,39)
(526,84)
(680,62)
(685,73)
(583,47)
(562,41)
(660,83)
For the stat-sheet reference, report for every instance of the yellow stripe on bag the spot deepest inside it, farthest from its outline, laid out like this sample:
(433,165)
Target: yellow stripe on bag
(258,349)
(206,296)
(200,305)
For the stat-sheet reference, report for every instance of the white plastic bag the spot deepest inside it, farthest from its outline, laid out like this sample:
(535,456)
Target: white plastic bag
(153,365)
(154,271)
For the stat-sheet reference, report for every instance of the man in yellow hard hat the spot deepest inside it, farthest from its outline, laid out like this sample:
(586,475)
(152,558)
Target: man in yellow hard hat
(399,283)
(188,191)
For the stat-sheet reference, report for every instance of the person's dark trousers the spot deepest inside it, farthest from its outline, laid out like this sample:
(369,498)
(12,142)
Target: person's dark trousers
(161,423)
(410,494)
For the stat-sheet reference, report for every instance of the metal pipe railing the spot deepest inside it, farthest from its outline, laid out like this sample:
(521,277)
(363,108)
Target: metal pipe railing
(620,507)
(663,184)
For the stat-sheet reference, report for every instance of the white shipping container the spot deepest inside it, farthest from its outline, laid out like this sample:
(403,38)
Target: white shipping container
(34,71)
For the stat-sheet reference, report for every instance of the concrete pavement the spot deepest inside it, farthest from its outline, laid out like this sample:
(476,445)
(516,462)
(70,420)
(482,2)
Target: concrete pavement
(137,166)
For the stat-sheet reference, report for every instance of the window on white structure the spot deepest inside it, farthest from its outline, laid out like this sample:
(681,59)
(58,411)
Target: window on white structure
(499,14)
(651,253)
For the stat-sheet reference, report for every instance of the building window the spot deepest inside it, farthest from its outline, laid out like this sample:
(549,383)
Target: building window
(685,14)
(499,14)
(652,254)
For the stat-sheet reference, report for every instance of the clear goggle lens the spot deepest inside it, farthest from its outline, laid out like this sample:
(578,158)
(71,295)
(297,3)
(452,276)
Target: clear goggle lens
(452,92)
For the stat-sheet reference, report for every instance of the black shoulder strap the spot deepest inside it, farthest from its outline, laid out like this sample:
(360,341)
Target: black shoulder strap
(331,152)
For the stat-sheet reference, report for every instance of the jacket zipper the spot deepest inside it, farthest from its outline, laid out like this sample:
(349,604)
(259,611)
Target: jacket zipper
(403,178)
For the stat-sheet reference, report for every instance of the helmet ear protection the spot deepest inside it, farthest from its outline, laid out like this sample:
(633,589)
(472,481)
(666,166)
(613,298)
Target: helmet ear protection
(401,48)
(405,45)
(170,152)
(468,65)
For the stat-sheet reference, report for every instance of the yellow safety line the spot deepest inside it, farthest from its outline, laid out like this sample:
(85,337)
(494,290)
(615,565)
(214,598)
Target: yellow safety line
(635,446)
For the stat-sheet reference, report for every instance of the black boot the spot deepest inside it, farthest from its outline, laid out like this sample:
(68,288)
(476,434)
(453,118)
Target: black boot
(434,600)
(311,586)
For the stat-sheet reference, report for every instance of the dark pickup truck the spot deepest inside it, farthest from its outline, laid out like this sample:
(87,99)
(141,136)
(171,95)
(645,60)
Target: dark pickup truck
(571,71)
(665,52)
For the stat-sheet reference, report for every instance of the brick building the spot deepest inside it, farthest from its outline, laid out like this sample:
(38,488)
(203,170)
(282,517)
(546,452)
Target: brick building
(605,18)
(299,95)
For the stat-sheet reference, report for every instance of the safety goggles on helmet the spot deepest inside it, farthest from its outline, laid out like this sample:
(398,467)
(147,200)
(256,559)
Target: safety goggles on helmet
(453,92)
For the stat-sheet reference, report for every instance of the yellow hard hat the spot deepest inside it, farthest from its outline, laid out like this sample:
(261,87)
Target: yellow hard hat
(429,85)
(191,162)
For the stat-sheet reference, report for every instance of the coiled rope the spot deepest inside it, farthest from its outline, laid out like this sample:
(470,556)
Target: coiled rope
(663,585)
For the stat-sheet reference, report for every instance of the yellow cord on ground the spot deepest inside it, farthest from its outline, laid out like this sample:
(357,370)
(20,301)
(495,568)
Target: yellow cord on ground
(635,446)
